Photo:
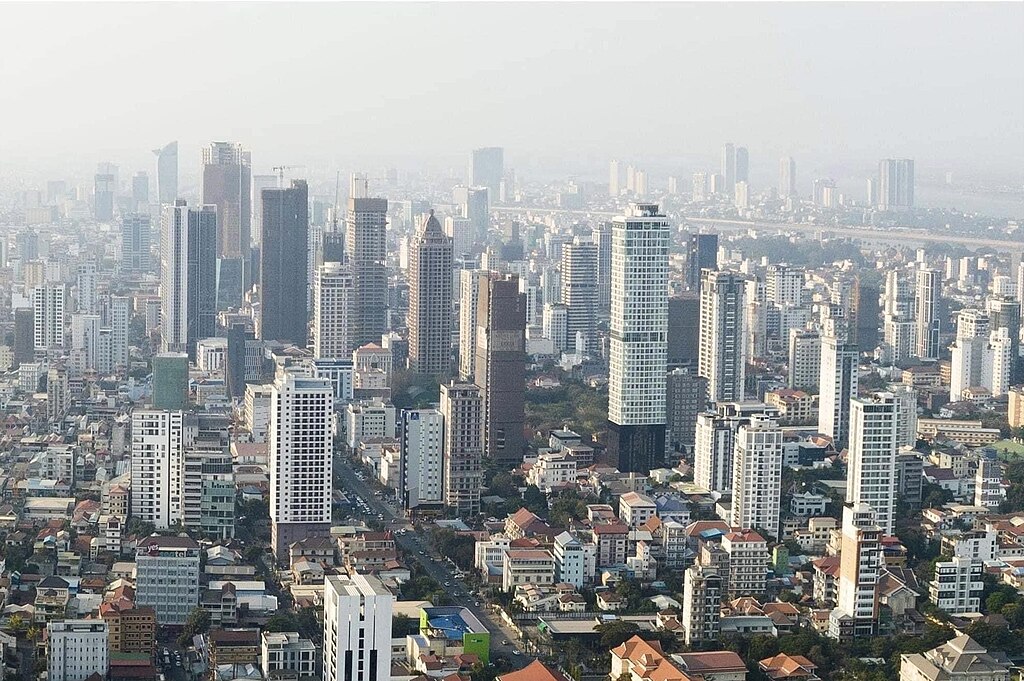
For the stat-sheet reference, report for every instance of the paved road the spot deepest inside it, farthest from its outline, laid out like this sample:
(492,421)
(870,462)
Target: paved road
(416,548)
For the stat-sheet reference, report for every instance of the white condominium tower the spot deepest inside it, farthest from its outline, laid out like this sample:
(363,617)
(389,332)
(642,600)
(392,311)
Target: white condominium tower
(332,306)
(757,475)
(871,470)
(639,338)
(157,448)
(300,449)
(723,333)
(837,385)
(357,629)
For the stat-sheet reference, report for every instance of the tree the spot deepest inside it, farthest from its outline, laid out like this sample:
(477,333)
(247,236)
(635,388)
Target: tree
(536,501)
(503,484)
(198,622)
(617,632)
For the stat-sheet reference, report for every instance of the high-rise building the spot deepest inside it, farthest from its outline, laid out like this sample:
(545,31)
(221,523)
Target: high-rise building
(188,279)
(702,255)
(104,189)
(579,291)
(804,359)
(602,237)
(729,168)
(837,385)
(787,177)
(500,368)
(865,311)
(474,205)
(85,341)
(1005,313)
(259,183)
(366,246)
(140,190)
(332,307)
(24,336)
(167,173)
(742,165)
(469,295)
(723,303)
(136,235)
(422,459)
(227,184)
(860,566)
(895,184)
(639,338)
(170,380)
(49,307)
(784,285)
(684,330)
(87,301)
(459,230)
(430,300)
(757,475)
(284,289)
(614,178)
(357,629)
(157,446)
(120,321)
(76,649)
(969,352)
(462,407)
(702,604)
(686,396)
(871,478)
(300,448)
(488,169)
(928,292)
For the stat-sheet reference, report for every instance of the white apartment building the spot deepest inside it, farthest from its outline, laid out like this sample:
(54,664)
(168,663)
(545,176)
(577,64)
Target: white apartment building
(489,555)
(120,320)
(300,450)
(551,471)
(368,419)
(469,294)
(757,475)
(871,476)
(928,292)
(49,307)
(748,563)
(157,445)
(422,458)
(76,649)
(527,566)
(804,359)
(957,585)
(635,509)
(286,651)
(702,604)
(837,385)
(258,398)
(714,439)
(570,560)
(332,307)
(357,629)
(167,577)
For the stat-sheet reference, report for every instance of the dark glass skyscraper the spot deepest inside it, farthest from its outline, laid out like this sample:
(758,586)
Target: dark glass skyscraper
(284,290)
(366,248)
(703,254)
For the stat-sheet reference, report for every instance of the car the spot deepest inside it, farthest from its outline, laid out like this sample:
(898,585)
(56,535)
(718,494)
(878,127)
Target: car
(515,651)
(476,604)
(423,553)
(447,583)
(505,642)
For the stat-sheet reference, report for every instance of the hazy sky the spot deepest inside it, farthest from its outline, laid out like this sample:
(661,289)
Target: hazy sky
(560,83)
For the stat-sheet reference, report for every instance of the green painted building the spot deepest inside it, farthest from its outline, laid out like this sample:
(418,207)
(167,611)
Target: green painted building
(170,381)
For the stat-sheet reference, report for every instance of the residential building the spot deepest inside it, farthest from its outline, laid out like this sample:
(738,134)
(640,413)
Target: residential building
(861,561)
(366,248)
(227,185)
(527,566)
(748,563)
(423,440)
(300,450)
(871,478)
(552,471)
(284,254)
(188,276)
(928,293)
(357,629)
(131,630)
(757,475)
(723,334)
(956,588)
(430,300)
(715,441)
(579,292)
(804,359)
(837,383)
(462,409)
(960,659)
(76,649)
(287,653)
(639,344)
(896,184)
(635,509)
(570,561)
(157,443)
(686,397)
(49,308)
(702,604)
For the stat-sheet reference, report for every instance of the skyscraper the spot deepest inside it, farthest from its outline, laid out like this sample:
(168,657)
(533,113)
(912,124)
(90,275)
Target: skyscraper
(488,169)
(357,629)
(156,446)
(928,292)
(136,234)
(723,334)
(742,165)
(702,254)
(729,168)
(787,177)
(188,277)
(896,184)
(602,237)
(469,294)
(474,205)
(579,292)
(300,449)
(702,604)
(639,338)
(140,190)
(170,380)
(227,184)
(284,292)
(366,246)
(837,384)
(968,352)
(332,305)
(104,188)
(500,368)
(259,183)
(462,407)
(871,478)
(120,321)
(430,300)
(167,173)
(88,298)
(614,178)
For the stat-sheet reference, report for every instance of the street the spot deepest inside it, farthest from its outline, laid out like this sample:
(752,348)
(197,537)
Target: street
(416,548)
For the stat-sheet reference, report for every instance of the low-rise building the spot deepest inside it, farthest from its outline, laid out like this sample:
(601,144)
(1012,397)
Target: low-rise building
(636,509)
(76,649)
(527,566)
(552,471)
(961,659)
(287,652)
(167,577)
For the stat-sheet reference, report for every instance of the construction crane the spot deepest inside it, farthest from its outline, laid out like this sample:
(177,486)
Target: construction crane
(280,173)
